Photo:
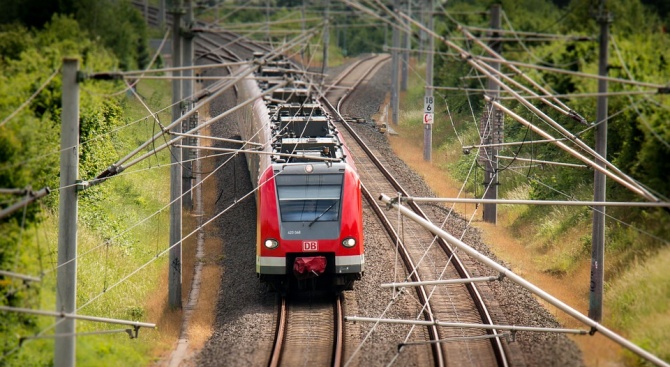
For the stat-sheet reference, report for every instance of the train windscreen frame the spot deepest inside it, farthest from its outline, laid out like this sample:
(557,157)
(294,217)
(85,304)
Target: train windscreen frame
(309,197)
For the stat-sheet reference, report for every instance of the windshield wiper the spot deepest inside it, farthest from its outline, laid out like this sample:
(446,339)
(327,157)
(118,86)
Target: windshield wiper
(321,215)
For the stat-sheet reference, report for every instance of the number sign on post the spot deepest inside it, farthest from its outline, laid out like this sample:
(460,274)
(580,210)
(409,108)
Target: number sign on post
(428,108)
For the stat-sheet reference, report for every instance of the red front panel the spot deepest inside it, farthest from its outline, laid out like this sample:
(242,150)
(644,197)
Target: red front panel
(351,224)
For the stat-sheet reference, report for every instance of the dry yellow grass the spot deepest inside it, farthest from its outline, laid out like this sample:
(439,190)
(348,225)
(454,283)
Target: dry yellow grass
(201,324)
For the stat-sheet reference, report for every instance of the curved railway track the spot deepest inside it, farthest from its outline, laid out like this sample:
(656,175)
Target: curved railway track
(423,255)
(311,332)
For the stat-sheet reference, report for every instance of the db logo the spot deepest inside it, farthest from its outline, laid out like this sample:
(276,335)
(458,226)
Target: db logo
(310,246)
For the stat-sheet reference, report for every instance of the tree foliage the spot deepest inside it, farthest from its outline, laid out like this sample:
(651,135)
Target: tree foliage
(30,141)
(117,24)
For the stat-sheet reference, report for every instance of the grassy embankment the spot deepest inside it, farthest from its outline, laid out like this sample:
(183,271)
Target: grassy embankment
(114,240)
(551,246)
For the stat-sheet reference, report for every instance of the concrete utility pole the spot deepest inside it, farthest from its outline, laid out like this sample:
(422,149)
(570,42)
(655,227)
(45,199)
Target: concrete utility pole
(394,72)
(598,235)
(146,11)
(174,273)
(66,288)
(423,16)
(267,19)
(302,27)
(161,13)
(491,129)
(187,90)
(326,36)
(407,44)
(428,110)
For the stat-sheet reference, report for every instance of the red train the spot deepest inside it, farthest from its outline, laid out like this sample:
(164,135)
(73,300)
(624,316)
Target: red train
(310,226)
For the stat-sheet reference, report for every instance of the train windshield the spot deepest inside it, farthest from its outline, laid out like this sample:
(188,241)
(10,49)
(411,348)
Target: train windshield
(309,198)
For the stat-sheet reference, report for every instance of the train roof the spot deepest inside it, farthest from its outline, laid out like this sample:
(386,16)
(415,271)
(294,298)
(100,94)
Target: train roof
(302,168)
(302,132)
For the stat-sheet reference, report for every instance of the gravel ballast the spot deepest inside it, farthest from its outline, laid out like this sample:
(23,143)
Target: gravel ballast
(246,310)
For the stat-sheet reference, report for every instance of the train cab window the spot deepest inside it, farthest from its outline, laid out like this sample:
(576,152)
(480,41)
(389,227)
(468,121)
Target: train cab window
(309,198)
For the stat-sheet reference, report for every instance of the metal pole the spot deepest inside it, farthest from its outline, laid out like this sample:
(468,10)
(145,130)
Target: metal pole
(619,176)
(146,11)
(395,40)
(174,273)
(302,27)
(267,19)
(492,129)
(66,288)
(428,120)
(32,196)
(598,234)
(326,37)
(422,33)
(537,202)
(187,91)
(161,14)
(406,42)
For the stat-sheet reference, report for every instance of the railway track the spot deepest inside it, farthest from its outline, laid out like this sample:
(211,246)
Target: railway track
(309,332)
(424,256)
(314,333)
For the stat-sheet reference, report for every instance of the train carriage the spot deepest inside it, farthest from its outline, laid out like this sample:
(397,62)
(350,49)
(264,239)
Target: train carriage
(310,228)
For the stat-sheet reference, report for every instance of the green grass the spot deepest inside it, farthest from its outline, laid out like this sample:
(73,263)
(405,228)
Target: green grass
(640,304)
(109,251)
(559,238)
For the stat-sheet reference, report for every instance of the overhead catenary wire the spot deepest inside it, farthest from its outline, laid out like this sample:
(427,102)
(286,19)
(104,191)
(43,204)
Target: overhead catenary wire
(237,151)
(141,221)
(576,154)
(554,139)
(562,107)
(536,202)
(118,167)
(533,34)
(153,59)
(31,98)
(642,118)
(577,73)
(531,287)
(398,25)
(527,51)
(180,68)
(114,168)
(630,183)
(238,26)
(414,269)
(572,198)
(158,255)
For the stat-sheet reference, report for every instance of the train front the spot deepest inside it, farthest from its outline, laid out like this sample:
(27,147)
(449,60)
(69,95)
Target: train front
(310,226)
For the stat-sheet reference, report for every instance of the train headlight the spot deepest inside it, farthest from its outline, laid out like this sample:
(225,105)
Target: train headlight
(349,242)
(309,168)
(271,243)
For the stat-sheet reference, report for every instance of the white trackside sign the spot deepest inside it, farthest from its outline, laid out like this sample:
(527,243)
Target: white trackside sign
(428,104)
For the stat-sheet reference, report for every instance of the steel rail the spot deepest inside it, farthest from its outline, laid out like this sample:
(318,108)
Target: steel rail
(433,333)
(414,276)
(595,326)
(458,265)
(338,347)
(280,334)
(360,80)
